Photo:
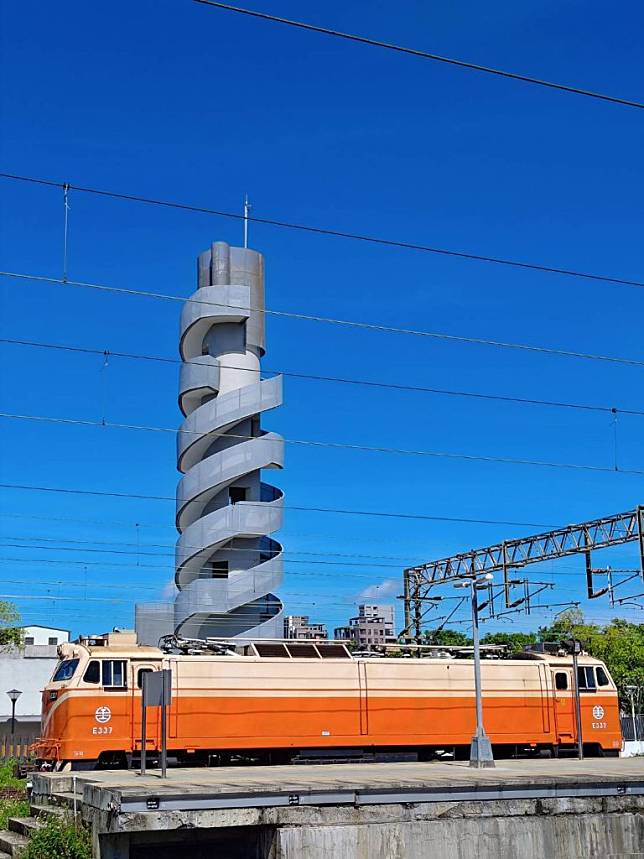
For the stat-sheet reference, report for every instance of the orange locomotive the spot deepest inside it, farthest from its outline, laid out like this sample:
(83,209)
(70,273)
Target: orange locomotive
(271,700)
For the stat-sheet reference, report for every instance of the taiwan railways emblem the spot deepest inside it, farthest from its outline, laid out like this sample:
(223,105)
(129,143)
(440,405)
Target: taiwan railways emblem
(104,714)
(598,712)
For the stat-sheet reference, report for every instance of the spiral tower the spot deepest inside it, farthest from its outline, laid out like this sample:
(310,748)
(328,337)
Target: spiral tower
(227,567)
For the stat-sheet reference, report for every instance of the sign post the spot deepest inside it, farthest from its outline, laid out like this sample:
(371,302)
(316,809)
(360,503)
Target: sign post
(156,692)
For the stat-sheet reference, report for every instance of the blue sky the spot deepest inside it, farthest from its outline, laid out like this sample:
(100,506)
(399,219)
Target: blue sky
(176,101)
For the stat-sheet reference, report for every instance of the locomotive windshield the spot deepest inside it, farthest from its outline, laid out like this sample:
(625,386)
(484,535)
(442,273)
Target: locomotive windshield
(65,670)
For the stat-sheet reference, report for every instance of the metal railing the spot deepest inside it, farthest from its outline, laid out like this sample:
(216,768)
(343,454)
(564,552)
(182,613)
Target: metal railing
(628,729)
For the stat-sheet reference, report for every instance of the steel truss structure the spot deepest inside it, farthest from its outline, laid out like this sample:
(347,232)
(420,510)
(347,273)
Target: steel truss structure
(511,555)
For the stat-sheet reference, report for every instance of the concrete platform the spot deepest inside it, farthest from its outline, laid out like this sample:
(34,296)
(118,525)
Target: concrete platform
(564,808)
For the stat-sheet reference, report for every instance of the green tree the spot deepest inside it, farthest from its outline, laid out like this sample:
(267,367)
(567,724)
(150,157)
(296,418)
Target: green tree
(620,644)
(10,633)
(447,637)
(515,641)
(563,626)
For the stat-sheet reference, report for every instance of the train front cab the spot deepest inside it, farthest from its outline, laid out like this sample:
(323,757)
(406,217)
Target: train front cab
(601,731)
(91,708)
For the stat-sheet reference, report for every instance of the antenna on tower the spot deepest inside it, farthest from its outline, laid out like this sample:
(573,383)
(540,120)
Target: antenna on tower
(247,208)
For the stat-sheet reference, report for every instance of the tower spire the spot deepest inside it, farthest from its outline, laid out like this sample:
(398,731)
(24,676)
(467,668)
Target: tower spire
(247,208)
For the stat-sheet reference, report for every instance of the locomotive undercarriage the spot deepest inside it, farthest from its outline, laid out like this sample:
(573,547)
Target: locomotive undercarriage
(267,757)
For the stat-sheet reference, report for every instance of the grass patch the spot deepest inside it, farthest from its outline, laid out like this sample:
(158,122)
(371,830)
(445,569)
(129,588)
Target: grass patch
(12,808)
(8,778)
(59,838)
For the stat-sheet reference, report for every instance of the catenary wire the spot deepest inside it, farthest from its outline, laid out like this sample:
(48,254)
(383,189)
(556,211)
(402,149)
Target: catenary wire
(169,568)
(345,323)
(139,546)
(425,55)
(338,446)
(587,407)
(466,255)
(333,510)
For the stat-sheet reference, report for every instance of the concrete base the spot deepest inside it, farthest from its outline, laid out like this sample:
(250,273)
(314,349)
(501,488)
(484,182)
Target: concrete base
(519,829)
(559,809)
(481,753)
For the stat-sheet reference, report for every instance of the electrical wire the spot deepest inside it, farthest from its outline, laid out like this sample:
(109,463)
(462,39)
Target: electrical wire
(333,379)
(136,547)
(169,569)
(425,55)
(346,323)
(440,454)
(332,510)
(375,240)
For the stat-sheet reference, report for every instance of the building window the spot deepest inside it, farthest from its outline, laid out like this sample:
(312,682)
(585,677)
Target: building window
(237,493)
(29,639)
(217,570)
(52,641)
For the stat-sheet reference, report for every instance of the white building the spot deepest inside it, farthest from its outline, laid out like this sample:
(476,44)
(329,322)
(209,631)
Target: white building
(28,670)
(300,626)
(373,625)
(44,636)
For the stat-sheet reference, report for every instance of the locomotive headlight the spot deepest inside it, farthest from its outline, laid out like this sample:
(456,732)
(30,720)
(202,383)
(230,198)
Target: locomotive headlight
(53,696)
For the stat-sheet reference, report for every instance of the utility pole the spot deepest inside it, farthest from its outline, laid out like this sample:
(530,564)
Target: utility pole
(481,748)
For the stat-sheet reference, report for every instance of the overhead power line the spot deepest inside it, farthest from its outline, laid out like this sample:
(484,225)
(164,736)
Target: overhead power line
(346,323)
(332,510)
(334,445)
(425,55)
(333,233)
(310,377)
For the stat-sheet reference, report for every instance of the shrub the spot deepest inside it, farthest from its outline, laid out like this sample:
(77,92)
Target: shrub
(60,838)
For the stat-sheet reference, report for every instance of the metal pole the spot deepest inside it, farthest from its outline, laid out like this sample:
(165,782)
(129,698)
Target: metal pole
(634,720)
(481,748)
(13,726)
(407,603)
(144,724)
(164,750)
(640,537)
(418,621)
(580,739)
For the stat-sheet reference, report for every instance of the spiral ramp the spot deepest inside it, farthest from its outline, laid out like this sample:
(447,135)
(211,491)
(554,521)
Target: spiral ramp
(227,566)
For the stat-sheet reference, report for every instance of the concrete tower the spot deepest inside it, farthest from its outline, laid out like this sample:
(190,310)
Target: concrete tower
(227,567)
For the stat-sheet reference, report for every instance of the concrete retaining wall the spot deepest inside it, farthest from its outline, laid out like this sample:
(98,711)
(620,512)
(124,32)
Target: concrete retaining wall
(514,829)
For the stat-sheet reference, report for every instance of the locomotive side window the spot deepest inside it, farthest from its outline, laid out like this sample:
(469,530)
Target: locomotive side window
(586,678)
(561,680)
(114,676)
(602,677)
(139,676)
(93,672)
(65,670)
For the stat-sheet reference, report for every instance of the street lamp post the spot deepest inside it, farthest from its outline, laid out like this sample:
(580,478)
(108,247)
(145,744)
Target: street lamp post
(13,694)
(480,748)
